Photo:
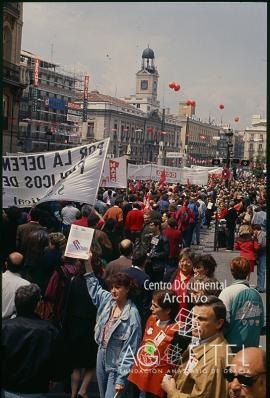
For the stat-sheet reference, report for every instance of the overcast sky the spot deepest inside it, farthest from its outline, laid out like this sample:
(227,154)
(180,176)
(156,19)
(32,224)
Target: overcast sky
(215,51)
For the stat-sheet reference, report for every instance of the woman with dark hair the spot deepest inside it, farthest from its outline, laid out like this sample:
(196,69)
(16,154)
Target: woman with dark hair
(36,243)
(204,265)
(180,277)
(117,331)
(161,339)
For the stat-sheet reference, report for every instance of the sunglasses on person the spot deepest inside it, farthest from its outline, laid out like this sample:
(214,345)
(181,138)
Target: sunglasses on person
(244,380)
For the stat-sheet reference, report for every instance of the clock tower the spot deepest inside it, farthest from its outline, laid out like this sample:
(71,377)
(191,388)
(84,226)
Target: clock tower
(147,78)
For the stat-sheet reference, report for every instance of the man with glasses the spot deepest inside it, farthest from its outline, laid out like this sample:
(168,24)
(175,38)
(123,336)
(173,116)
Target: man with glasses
(200,373)
(247,374)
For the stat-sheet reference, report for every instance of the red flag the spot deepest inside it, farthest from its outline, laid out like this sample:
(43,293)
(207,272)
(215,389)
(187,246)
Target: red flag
(162,178)
(146,201)
(138,185)
(131,186)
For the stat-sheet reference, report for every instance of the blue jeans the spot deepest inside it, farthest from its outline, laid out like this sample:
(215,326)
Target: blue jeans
(187,235)
(261,268)
(8,394)
(106,380)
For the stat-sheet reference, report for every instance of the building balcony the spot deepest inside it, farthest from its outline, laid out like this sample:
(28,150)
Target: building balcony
(15,75)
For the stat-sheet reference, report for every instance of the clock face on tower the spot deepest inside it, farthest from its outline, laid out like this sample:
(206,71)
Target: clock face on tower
(144,84)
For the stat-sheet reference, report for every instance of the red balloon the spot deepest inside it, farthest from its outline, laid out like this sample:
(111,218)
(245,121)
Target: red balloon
(236,119)
(172,84)
(188,102)
(221,106)
(177,87)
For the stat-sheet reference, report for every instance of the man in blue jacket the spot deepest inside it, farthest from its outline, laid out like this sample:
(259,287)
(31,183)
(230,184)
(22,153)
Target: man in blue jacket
(245,311)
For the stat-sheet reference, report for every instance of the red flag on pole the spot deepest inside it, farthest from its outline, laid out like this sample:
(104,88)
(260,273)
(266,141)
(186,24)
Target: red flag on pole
(162,178)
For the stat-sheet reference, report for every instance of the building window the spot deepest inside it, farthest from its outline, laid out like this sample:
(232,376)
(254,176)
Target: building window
(138,105)
(144,85)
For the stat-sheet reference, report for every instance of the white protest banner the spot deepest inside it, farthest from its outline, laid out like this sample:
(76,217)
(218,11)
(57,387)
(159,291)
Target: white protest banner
(216,170)
(210,169)
(153,172)
(140,171)
(79,242)
(194,177)
(72,174)
(115,173)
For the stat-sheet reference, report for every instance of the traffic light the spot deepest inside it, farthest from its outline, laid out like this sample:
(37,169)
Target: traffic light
(215,162)
(245,163)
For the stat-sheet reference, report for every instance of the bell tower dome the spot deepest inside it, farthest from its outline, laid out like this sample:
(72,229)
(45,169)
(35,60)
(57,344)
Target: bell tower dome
(147,77)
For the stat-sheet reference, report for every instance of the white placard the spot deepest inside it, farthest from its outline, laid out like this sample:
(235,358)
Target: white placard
(79,242)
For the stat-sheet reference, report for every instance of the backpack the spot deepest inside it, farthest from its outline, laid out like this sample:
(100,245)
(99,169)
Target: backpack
(184,217)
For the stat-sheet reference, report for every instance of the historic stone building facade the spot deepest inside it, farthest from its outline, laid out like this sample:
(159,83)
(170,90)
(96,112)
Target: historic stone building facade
(15,77)
(255,138)
(199,141)
(46,120)
(142,136)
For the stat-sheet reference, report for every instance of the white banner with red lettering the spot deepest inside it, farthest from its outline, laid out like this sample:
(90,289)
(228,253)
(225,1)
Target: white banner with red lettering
(115,173)
(186,175)
(153,172)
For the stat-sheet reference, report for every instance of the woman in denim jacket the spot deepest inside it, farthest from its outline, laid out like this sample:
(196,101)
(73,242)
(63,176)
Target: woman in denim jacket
(117,330)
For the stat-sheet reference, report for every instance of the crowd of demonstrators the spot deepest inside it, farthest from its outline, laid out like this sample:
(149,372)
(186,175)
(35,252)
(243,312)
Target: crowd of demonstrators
(143,237)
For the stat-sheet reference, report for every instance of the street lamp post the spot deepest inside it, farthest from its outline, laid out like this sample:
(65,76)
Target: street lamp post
(161,143)
(229,135)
